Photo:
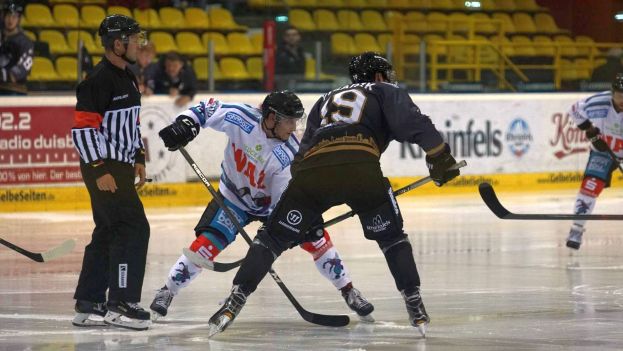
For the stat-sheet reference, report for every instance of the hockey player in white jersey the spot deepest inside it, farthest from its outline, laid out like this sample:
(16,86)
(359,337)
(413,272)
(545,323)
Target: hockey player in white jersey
(599,116)
(255,171)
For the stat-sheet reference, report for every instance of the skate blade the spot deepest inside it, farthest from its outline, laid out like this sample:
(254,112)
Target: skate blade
(367,318)
(220,326)
(421,327)
(86,320)
(118,320)
(156,317)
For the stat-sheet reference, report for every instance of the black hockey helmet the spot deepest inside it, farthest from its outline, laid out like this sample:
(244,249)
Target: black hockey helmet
(362,68)
(117,27)
(285,104)
(13,6)
(617,83)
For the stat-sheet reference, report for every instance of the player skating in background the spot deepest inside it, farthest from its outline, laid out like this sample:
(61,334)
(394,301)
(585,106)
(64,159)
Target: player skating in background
(255,171)
(599,116)
(338,163)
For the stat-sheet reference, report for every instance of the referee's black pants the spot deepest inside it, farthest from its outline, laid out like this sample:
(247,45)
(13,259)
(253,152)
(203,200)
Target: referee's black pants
(115,258)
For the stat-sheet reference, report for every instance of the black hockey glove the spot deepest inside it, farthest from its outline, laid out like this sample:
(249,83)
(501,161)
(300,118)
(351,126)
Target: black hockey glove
(594,135)
(438,166)
(179,133)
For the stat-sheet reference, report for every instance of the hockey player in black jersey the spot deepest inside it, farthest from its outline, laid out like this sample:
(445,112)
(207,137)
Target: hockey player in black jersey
(16,50)
(338,163)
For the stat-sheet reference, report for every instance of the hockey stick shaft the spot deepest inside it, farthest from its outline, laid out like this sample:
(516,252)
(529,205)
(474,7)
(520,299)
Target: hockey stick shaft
(326,320)
(615,159)
(46,256)
(416,184)
(491,200)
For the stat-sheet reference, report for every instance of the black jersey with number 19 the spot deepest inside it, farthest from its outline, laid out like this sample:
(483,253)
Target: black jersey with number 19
(360,120)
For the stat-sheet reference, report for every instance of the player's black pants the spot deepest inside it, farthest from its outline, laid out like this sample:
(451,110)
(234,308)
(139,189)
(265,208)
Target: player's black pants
(115,258)
(310,193)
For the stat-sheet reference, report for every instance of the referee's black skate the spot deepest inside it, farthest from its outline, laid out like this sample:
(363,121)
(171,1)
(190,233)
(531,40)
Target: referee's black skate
(356,302)
(161,302)
(127,315)
(226,314)
(89,314)
(417,313)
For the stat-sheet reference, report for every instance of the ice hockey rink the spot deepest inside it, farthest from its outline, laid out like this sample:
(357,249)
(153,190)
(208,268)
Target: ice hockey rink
(488,284)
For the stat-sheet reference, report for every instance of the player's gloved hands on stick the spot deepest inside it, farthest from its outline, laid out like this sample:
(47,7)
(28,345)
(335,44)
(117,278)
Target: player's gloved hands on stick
(438,165)
(594,135)
(179,133)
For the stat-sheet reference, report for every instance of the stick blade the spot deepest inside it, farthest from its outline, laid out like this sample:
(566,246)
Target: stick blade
(207,264)
(326,320)
(66,247)
(491,200)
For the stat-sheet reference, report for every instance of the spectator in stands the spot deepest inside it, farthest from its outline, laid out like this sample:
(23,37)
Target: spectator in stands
(176,78)
(145,69)
(16,50)
(613,65)
(289,60)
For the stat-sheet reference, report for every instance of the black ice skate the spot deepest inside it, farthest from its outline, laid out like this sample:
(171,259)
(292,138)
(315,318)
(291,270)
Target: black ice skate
(356,302)
(574,240)
(226,314)
(161,302)
(89,314)
(127,315)
(417,313)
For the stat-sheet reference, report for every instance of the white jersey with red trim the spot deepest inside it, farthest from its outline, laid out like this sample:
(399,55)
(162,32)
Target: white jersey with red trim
(255,168)
(599,110)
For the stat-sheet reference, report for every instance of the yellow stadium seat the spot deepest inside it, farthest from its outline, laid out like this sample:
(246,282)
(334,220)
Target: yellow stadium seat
(38,15)
(255,67)
(355,4)
(398,4)
(507,22)
(416,21)
(582,68)
(239,44)
(432,38)
(443,4)
(505,5)
(545,23)
(310,70)
(189,43)
(526,5)
(349,20)
(383,40)
(221,47)
(147,18)
(330,3)
(421,4)
(201,67)
(163,41)
(567,49)
(504,44)
(232,68)
(545,45)
(524,23)
(197,18)
(381,4)
(523,46)
(302,20)
(171,18)
(567,70)
(56,40)
(119,10)
(67,68)
(487,53)
(392,16)
(92,47)
(483,24)
(222,19)
(326,20)
(66,15)
(96,59)
(459,53)
(257,40)
(366,42)
(374,21)
(459,22)
(342,45)
(92,16)
(42,70)
(31,35)
(437,21)
(585,50)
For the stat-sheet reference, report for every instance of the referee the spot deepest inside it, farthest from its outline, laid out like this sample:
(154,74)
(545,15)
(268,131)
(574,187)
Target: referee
(107,135)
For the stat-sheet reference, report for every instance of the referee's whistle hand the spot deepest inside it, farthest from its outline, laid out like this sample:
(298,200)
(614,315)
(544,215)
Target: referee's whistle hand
(106,183)
(139,171)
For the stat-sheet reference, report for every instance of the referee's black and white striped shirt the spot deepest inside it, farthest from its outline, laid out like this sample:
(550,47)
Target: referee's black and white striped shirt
(106,120)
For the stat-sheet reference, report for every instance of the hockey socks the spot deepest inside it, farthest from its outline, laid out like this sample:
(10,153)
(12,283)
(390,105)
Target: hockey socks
(328,261)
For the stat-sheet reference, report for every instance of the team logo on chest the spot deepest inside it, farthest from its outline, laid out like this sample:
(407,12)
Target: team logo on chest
(248,168)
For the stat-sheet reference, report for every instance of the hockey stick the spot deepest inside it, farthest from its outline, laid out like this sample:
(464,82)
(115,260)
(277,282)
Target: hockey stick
(491,200)
(615,159)
(223,267)
(320,319)
(49,255)
(211,265)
